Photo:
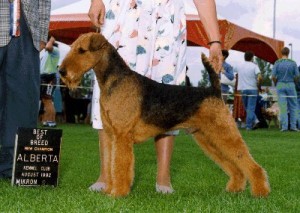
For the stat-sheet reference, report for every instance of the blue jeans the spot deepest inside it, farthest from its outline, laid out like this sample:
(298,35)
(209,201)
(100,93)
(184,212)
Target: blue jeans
(298,114)
(249,100)
(298,119)
(287,101)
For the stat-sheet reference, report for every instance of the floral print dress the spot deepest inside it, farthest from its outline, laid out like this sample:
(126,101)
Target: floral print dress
(150,35)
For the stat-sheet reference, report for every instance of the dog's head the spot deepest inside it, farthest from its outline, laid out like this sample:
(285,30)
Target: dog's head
(84,54)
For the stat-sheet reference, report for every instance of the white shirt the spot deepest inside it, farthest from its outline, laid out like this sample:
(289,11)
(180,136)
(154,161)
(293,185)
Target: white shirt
(247,76)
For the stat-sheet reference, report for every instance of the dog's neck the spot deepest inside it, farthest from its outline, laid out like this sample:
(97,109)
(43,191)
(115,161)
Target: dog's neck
(111,68)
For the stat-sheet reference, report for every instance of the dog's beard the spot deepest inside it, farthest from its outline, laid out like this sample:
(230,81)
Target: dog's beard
(71,83)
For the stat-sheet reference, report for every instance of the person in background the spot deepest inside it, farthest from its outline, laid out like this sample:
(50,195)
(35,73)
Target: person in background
(48,68)
(151,37)
(284,75)
(23,33)
(228,72)
(187,78)
(249,81)
(260,106)
(238,112)
(298,100)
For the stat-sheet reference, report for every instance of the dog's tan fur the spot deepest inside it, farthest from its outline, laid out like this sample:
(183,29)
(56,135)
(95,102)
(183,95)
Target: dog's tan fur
(134,108)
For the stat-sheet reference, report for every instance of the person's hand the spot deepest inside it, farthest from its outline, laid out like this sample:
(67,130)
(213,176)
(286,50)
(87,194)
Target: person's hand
(42,45)
(216,57)
(97,13)
(52,40)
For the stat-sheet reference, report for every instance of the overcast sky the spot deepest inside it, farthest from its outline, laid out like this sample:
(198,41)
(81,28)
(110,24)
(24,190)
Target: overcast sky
(256,15)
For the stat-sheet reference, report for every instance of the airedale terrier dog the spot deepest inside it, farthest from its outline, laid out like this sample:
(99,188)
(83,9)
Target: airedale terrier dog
(135,108)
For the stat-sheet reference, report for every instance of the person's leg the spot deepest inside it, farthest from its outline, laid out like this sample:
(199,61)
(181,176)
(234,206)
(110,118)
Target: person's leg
(282,103)
(49,114)
(292,105)
(258,108)
(298,110)
(21,96)
(258,112)
(164,149)
(245,99)
(252,100)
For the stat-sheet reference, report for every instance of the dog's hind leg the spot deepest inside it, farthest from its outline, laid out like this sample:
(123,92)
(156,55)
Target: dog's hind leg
(236,150)
(219,129)
(237,181)
(122,165)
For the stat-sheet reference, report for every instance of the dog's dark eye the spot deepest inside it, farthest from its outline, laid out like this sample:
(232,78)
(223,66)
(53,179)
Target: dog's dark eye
(81,51)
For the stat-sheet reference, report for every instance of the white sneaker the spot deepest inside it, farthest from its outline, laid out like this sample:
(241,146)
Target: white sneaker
(97,187)
(164,189)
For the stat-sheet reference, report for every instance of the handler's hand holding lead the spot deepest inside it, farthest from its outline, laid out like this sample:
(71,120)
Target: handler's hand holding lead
(97,13)
(215,56)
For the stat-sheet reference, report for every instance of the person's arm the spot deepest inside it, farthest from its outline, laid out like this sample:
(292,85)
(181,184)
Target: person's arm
(97,12)
(297,74)
(274,79)
(259,82)
(44,15)
(259,78)
(49,45)
(208,16)
(229,72)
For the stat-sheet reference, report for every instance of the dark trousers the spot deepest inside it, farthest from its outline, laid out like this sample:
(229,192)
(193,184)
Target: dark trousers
(19,93)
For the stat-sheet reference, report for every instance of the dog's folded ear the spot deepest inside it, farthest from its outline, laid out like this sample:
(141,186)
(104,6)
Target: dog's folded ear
(97,42)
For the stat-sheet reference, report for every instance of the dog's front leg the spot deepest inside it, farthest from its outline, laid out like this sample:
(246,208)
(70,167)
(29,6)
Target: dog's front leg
(105,150)
(122,165)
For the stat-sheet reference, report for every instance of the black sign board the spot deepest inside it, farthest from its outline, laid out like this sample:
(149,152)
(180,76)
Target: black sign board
(36,159)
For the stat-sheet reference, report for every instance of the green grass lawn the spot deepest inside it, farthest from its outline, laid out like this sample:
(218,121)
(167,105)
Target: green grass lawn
(199,184)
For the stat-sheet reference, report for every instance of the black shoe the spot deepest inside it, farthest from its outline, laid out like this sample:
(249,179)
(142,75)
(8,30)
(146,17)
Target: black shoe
(256,126)
(263,124)
(260,125)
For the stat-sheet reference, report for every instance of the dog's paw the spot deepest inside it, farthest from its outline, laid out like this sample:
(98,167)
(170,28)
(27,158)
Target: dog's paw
(261,190)
(236,185)
(119,192)
(260,187)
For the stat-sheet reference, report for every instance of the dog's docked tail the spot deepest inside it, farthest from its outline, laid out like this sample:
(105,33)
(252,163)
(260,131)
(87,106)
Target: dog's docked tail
(213,75)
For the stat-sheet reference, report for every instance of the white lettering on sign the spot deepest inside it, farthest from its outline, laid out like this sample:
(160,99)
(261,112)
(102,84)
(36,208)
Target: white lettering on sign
(45,168)
(31,168)
(30,174)
(38,158)
(48,149)
(40,131)
(26,181)
(46,175)
(38,142)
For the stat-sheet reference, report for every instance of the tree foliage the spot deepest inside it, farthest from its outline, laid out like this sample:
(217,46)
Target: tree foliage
(205,79)
(266,71)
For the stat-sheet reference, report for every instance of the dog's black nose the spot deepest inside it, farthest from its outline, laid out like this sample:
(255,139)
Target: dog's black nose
(62,72)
